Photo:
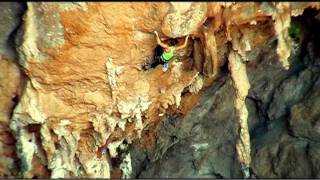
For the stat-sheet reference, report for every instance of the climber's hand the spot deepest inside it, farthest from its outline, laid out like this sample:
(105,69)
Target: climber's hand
(155,32)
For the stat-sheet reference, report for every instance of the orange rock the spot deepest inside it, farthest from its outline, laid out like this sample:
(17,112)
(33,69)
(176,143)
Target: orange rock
(9,91)
(86,88)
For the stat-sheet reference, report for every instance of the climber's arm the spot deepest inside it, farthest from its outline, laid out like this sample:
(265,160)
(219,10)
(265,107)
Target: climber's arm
(184,45)
(163,38)
(159,41)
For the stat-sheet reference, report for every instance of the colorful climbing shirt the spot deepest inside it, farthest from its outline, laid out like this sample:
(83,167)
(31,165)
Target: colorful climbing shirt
(168,55)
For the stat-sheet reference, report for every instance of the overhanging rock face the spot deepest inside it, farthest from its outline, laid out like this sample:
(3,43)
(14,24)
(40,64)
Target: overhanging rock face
(184,18)
(73,85)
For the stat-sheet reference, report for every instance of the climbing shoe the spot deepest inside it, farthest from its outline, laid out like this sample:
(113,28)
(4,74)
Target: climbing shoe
(165,67)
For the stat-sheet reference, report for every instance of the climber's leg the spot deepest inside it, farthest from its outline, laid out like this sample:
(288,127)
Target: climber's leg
(156,62)
(157,57)
(165,66)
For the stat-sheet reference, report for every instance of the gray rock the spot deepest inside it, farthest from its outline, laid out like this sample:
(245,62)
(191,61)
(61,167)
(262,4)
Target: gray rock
(314,156)
(291,91)
(305,116)
(10,18)
(201,145)
(283,124)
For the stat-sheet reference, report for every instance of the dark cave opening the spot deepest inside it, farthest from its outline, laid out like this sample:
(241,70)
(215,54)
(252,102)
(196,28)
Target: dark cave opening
(309,37)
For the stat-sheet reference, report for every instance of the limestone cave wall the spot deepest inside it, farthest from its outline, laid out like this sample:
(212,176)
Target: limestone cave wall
(79,99)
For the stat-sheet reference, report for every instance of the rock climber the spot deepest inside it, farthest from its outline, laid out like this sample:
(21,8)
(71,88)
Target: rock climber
(167,52)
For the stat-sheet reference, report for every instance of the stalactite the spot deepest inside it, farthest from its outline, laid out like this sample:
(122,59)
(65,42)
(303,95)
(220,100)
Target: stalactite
(212,61)
(282,23)
(241,87)
(197,55)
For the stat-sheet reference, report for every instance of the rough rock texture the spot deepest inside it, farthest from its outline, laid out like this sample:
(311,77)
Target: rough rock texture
(282,121)
(241,84)
(184,18)
(10,85)
(91,105)
(202,144)
(9,77)
(83,101)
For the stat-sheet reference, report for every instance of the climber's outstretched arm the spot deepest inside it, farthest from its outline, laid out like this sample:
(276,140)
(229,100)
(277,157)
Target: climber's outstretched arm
(159,41)
(184,45)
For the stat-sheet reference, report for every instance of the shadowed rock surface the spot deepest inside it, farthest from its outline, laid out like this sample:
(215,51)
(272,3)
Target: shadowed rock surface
(77,98)
(283,122)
